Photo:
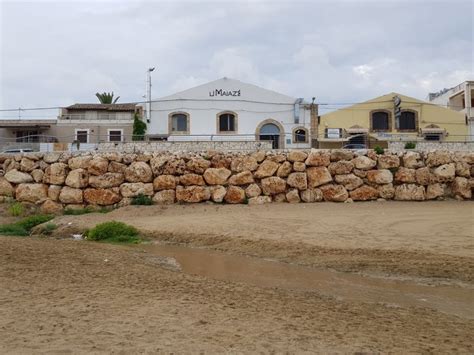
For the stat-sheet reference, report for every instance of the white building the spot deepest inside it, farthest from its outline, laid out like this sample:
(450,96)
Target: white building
(230,110)
(459,98)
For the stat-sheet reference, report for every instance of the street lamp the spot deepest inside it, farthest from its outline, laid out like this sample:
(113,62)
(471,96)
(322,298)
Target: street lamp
(148,94)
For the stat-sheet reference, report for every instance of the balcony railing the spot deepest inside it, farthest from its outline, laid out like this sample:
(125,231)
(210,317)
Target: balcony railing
(102,116)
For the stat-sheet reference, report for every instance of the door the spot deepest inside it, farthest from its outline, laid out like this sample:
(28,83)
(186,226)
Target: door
(270,132)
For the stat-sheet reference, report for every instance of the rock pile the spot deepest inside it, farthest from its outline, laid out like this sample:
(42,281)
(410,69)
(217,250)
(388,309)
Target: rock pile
(56,180)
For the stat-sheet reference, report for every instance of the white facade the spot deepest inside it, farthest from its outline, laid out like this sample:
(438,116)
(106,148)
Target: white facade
(257,114)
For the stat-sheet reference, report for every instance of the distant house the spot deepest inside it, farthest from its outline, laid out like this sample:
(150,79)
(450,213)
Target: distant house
(374,122)
(231,110)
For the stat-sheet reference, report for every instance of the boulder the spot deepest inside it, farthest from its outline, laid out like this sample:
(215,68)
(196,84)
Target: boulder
(311,195)
(198,165)
(297,180)
(51,207)
(51,157)
(318,159)
(423,176)
(243,178)
(138,171)
(297,166)
(364,193)
(260,200)
(334,193)
(37,175)
(28,165)
(360,173)
(253,190)
(363,163)
(318,176)
(192,194)
(235,194)
(116,167)
(6,189)
(244,163)
(17,177)
(273,185)
(386,191)
(278,198)
(216,176)
(164,197)
(438,158)
(218,193)
(267,168)
(405,175)
(129,158)
(112,157)
(54,191)
(341,154)
(77,178)
(285,169)
(409,192)
(463,169)
(71,195)
(461,188)
(296,156)
(106,180)
(221,161)
(434,191)
(277,158)
(80,162)
(349,181)
(55,174)
(164,182)
(102,197)
(388,162)
(412,160)
(143,157)
(340,167)
(444,173)
(35,193)
(132,189)
(293,196)
(157,164)
(380,176)
(191,179)
(259,156)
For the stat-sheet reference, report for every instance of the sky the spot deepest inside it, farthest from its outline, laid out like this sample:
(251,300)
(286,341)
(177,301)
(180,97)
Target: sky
(56,53)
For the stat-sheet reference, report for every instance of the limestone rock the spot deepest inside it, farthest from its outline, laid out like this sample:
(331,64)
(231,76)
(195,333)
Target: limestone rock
(116,167)
(192,194)
(335,193)
(198,165)
(235,194)
(259,156)
(157,164)
(51,207)
(363,163)
(6,189)
(405,175)
(267,168)
(409,192)
(388,162)
(423,176)
(311,195)
(318,176)
(17,177)
(106,180)
(318,159)
(296,156)
(462,188)
(221,161)
(112,157)
(133,189)
(386,191)
(218,193)
(278,198)
(260,200)
(51,157)
(244,163)
(463,169)
(412,160)
(445,173)
(284,169)
(253,190)
(54,191)
(364,193)
(360,173)
(77,178)
(102,197)
(80,162)
(243,178)
(277,158)
(341,154)
(35,193)
(216,176)
(71,195)
(138,172)
(37,175)
(382,176)
(164,182)
(438,158)
(297,180)
(164,197)
(297,166)
(191,179)
(28,165)
(349,181)
(56,173)
(273,185)
(340,167)
(292,196)
(434,191)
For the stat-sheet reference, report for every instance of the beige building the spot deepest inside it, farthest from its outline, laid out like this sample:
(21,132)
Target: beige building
(377,121)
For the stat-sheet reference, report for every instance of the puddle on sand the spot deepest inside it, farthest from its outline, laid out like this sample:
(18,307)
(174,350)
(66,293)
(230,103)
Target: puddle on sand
(266,273)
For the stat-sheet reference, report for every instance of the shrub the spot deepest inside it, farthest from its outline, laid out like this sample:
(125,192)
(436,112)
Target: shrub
(23,227)
(139,128)
(114,231)
(379,150)
(410,145)
(48,228)
(142,199)
(88,209)
(16,209)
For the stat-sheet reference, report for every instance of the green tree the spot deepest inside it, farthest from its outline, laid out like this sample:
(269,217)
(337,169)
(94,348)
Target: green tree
(107,97)
(139,128)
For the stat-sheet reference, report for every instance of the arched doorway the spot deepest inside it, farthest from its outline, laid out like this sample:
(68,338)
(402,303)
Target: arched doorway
(271,131)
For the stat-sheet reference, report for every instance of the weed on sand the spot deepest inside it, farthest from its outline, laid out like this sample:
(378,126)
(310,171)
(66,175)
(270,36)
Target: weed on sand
(23,227)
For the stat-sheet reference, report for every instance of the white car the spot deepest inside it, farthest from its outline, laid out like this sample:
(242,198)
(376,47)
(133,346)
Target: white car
(18,150)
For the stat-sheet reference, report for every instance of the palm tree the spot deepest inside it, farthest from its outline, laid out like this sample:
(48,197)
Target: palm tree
(107,98)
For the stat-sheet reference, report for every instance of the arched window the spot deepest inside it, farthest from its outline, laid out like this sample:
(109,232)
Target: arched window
(179,123)
(300,135)
(226,122)
(380,121)
(407,121)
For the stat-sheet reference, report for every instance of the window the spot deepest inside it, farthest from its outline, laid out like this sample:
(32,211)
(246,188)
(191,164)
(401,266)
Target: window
(179,123)
(407,121)
(227,122)
(433,136)
(115,135)
(27,136)
(82,135)
(333,133)
(380,121)
(299,135)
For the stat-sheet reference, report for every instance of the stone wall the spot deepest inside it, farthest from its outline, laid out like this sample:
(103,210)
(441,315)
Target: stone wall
(432,146)
(58,180)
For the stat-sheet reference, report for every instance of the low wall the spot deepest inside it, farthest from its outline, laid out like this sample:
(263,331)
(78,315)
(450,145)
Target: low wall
(182,146)
(58,180)
(432,146)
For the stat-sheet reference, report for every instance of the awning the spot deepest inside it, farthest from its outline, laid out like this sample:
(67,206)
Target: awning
(353,130)
(433,131)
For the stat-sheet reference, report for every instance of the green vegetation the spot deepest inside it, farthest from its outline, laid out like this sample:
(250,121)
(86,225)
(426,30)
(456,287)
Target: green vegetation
(16,209)
(48,228)
(141,199)
(410,145)
(24,227)
(88,209)
(379,150)
(139,128)
(114,232)
(107,98)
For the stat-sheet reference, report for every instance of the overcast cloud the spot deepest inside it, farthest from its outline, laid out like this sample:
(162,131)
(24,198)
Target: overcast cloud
(59,53)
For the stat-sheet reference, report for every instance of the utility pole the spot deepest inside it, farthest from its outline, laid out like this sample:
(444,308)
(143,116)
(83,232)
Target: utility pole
(148,95)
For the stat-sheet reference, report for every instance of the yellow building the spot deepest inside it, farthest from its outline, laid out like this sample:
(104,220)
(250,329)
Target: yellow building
(374,122)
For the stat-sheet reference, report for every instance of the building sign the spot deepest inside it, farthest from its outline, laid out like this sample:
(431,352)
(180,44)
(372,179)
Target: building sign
(333,133)
(221,92)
